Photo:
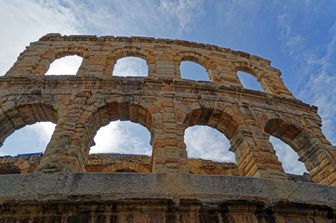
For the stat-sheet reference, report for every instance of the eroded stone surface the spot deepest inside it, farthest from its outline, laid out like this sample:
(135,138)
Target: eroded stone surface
(166,105)
(114,162)
(81,105)
(203,198)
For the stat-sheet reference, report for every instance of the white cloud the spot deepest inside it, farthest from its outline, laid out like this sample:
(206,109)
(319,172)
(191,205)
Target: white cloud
(130,66)
(108,139)
(207,143)
(293,42)
(43,131)
(288,157)
(25,21)
(237,11)
(314,63)
(29,139)
(320,89)
(122,137)
(65,65)
(184,11)
(159,18)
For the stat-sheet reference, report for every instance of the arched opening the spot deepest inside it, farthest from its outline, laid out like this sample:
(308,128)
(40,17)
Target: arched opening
(124,137)
(215,118)
(193,71)
(131,66)
(288,157)
(28,140)
(22,150)
(288,144)
(123,142)
(249,81)
(207,143)
(67,65)
(18,117)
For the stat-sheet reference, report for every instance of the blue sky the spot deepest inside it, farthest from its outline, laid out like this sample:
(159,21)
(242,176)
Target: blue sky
(298,36)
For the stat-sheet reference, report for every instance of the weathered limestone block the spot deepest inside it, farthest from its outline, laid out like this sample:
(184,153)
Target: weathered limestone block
(169,153)
(69,143)
(254,155)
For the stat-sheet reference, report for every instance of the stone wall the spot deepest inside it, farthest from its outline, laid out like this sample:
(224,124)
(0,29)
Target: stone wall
(134,197)
(81,105)
(114,162)
(162,56)
(59,190)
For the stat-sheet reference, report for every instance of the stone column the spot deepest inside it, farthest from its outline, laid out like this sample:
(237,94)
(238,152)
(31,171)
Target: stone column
(164,69)
(321,164)
(169,150)
(169,159)
(70,143)
(319,159)
(272,83)
(224,75)
(95,65)
(66,151)
(254,153)
(164,66)
(27,60)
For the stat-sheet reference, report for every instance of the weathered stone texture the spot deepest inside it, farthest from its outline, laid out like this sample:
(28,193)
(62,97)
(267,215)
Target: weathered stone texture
(135,197)
(111,162)
(166,105)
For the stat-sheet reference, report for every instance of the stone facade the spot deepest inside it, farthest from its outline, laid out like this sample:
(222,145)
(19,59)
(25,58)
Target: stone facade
(59,189)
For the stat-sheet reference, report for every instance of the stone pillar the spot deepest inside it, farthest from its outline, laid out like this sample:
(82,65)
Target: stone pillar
(151,63)
(322,166)
(169,150)
(320,161)
(108,68)
(164,66)
(70,143)
(27,60)
(224,75)
(254,153)
(164,69)
(66,151)
(95,66)
(272,83)
(169,156)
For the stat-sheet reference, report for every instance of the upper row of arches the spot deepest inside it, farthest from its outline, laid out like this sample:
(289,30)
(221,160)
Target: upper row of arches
(43,60)
(163,60)
(136,66)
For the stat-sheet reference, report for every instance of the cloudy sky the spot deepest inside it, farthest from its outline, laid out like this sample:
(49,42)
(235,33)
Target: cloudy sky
(298,36)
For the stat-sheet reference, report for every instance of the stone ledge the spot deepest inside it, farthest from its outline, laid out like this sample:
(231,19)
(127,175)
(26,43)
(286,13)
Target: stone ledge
(39,187)
(67,83)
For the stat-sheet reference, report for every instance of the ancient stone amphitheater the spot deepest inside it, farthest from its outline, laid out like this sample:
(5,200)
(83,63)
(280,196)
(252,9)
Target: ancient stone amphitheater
(65,184)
